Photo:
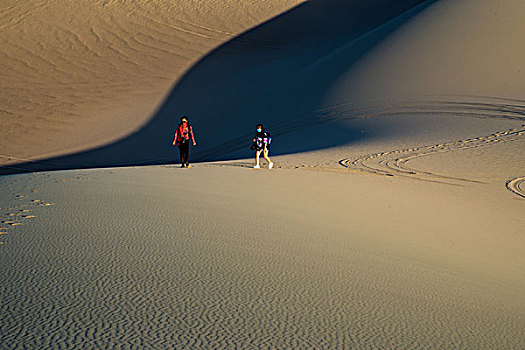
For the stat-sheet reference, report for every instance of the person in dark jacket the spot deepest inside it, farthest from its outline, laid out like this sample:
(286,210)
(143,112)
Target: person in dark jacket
(183,135)
(261,143)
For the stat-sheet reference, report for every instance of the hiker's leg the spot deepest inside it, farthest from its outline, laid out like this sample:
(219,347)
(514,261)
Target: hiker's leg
(257,155)
(187,153)
(181,151)
(265,155)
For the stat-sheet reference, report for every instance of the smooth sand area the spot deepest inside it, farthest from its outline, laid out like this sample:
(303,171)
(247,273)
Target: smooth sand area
(393,218)
(223,256)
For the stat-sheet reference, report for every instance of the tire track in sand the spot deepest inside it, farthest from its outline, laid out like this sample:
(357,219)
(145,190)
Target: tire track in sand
(517,186)
(394,163)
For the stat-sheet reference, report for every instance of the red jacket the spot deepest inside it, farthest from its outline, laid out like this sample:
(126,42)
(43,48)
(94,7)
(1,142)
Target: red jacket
(184,131)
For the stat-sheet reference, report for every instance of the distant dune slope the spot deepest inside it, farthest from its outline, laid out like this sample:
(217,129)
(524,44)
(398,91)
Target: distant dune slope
(79,74)
(455,47)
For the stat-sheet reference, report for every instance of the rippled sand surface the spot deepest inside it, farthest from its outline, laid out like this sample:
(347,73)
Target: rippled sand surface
(204,258)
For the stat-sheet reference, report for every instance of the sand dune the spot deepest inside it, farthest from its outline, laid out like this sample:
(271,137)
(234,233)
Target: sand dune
(76,76)
(237,80)
(393,217)
(318,71)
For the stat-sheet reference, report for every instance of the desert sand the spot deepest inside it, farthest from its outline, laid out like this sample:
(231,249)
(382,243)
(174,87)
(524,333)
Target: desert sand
(393,217)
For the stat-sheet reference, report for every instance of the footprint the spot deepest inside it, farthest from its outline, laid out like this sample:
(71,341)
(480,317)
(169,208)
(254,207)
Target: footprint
(11,223)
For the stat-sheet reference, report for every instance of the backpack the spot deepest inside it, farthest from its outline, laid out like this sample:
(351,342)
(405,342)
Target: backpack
(184,133)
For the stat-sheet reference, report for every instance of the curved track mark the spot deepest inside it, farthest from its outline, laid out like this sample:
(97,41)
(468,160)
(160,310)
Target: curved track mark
(517,186)
(394,163)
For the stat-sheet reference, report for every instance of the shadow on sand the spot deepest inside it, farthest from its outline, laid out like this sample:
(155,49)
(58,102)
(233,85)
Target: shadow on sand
(274,73)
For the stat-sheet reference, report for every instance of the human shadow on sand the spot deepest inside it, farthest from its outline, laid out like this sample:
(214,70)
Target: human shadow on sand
(276,73)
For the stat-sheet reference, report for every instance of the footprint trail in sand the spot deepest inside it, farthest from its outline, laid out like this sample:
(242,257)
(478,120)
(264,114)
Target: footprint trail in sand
(20,209)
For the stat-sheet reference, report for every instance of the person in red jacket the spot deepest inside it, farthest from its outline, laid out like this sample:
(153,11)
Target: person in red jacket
(183,135)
